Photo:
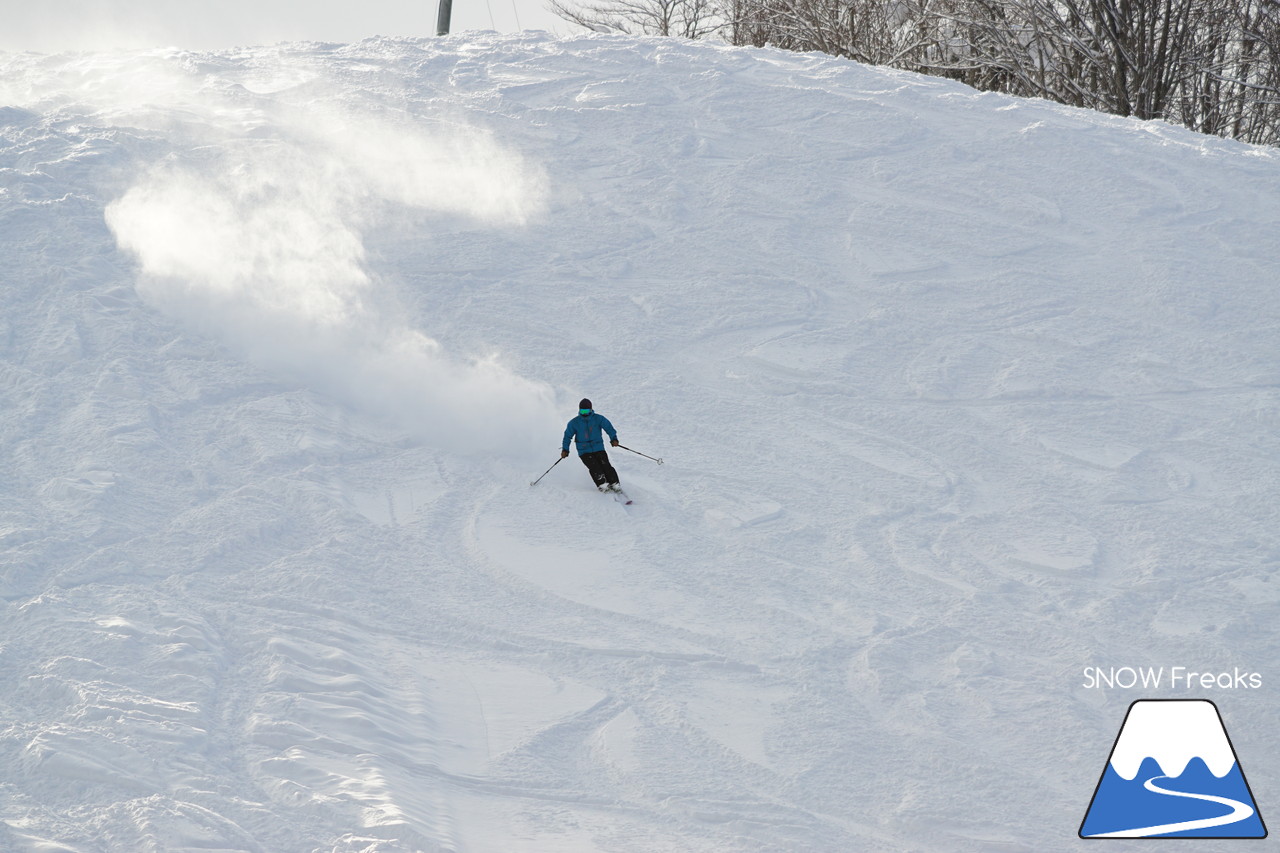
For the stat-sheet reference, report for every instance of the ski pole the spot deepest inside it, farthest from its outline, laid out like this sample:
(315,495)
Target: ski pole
(546,472)
(638,453)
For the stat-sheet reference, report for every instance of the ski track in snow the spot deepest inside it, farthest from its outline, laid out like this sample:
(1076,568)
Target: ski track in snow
(957,394)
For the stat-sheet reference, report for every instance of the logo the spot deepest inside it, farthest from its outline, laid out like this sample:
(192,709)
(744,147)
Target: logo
(1172,678)
(1172,773)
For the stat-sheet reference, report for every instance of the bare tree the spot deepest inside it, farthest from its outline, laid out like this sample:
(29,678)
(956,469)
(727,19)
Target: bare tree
(1235,88)
(692,19)
(1212,65)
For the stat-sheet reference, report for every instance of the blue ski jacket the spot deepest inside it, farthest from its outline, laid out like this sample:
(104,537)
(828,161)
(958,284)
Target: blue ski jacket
(586,432)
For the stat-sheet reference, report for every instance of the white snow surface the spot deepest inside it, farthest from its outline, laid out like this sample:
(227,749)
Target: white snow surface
(957,395)
(1172,733)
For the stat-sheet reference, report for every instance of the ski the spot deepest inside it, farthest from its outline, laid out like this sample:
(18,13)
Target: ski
(618,495)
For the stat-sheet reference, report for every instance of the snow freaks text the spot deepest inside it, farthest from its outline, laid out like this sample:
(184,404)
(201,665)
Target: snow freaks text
(1172,678)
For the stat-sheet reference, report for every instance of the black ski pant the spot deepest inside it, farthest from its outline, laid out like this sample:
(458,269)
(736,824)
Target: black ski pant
(601,470)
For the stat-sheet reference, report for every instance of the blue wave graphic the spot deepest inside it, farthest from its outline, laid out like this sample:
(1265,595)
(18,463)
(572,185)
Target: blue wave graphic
(1121,806)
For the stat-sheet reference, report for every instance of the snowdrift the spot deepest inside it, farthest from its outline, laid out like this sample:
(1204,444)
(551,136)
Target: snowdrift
(957,395)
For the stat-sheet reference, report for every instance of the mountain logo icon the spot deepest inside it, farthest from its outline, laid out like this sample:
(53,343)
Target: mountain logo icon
(1172,773)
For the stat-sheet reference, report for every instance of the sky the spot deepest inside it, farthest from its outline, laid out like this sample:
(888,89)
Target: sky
(54,26)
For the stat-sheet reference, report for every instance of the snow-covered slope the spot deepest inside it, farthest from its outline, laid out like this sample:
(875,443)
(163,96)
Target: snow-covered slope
(957,395)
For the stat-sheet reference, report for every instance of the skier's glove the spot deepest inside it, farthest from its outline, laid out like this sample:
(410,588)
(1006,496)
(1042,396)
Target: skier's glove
(614,442)
(564,454)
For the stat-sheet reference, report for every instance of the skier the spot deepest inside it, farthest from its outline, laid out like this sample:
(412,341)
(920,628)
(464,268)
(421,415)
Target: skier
(585,430)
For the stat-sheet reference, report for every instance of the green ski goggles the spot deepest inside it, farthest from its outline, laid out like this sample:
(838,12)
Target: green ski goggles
(584,411)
